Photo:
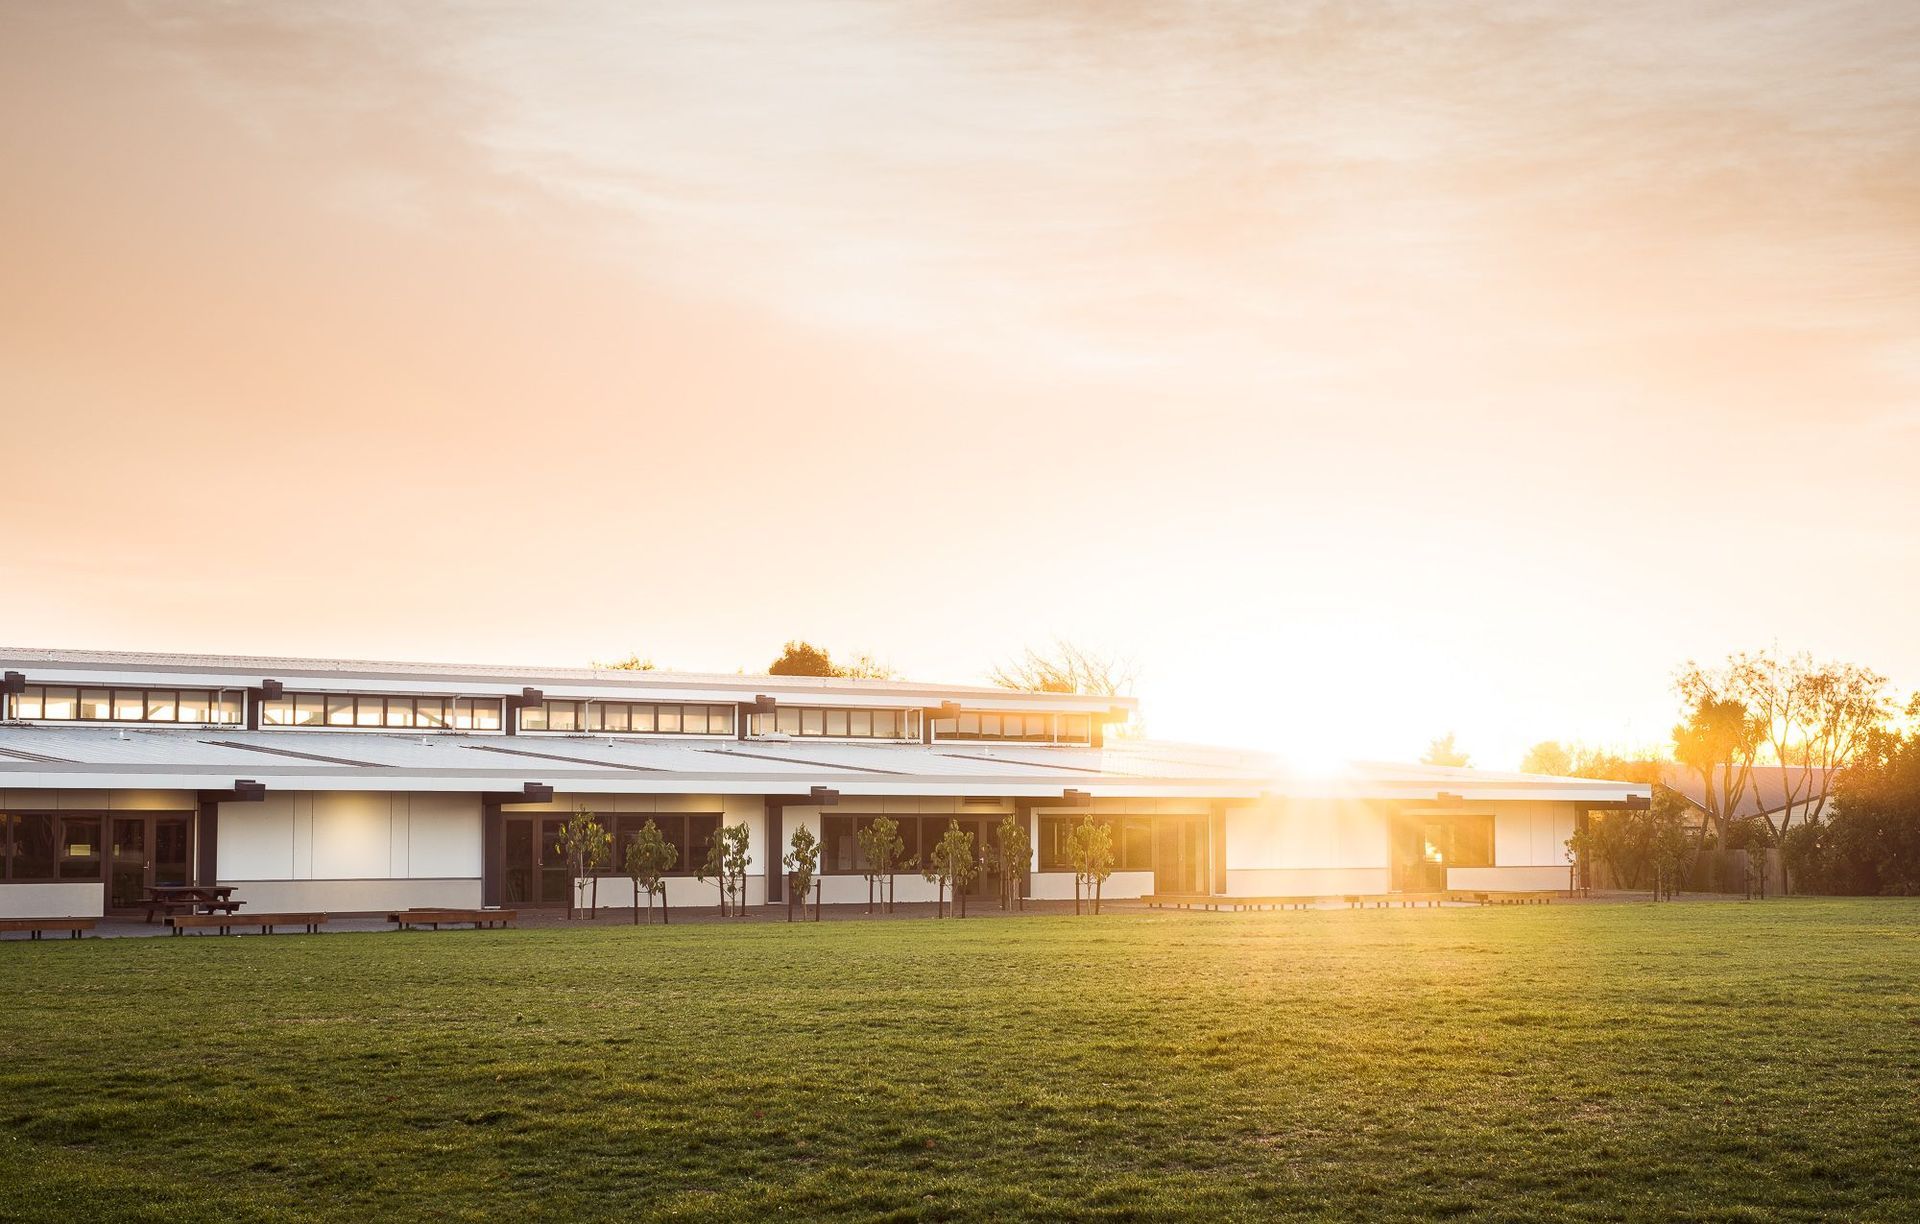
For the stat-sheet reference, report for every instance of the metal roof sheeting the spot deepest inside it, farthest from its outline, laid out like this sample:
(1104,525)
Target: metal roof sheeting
(42,756)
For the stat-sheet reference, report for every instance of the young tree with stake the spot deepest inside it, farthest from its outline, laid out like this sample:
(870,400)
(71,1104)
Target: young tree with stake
(584,847)
(883,848)
(1015,850)
(1091,848)
(650,856)
(803,861)
(950,865)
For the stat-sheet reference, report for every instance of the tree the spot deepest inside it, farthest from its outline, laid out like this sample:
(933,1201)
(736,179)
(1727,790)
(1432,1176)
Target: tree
(798,658)
(1066,667)
(880,844)
(1869,845)
(1641,848)
(802,862)
(1090,850)
(1013,851)
(865,665)
(632,662)
(650,856)
(1720,738)
(1843,705)
(801,658)
(1548,757)
(584,846)
(950,864)
(1443,752)
(726,865)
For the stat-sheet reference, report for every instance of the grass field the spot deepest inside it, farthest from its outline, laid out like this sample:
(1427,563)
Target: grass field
(1716,1061)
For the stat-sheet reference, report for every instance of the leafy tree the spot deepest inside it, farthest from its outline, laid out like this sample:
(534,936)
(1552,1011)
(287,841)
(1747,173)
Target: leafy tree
(803,862)
(584,847)
(798,658)
(950,865)
(632,662)
(1719,741)
(1870,843)
(1443,752)
(1013,851)
(1548,757)
(865,665)
(1643,848)
(726,865)
(881,844)
(801,658)
(650,856)
(1090,850)
(1066,667)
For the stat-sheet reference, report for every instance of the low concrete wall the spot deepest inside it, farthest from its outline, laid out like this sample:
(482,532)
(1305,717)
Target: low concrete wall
(1306,881)
(1513,879)
(52,900)
(1120,886)
(353,896)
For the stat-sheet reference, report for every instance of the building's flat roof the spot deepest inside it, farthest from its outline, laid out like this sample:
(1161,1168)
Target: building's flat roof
(482,679)
(139,758)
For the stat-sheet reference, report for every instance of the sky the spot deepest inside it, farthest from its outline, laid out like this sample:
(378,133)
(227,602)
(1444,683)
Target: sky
(1362,372)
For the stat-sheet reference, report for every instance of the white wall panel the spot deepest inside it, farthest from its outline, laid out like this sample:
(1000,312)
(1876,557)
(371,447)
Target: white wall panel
(52,900)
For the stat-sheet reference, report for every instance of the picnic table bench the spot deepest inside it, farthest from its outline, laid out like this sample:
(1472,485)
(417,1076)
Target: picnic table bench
(1507,897)
(35,927)
(190,898)
(447,916)
(227,921)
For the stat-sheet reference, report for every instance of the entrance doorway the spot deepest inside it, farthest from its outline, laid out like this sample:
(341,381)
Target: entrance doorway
(1181,855)
(1425,845)
(147,850)
(533,871)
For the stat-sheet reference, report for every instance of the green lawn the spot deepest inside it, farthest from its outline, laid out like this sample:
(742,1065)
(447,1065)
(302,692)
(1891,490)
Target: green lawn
(1702,1060)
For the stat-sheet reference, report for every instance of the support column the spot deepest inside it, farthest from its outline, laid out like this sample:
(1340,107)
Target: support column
(493,824)
(1217,848)
(776,831)
(206,844)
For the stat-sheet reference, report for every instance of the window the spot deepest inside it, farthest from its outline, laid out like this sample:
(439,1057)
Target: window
(1132,841)
(624,717)
(838,723)
(1460,841)
(35,855)
(367,710)
(1028,728)
(54,703)
(80,847)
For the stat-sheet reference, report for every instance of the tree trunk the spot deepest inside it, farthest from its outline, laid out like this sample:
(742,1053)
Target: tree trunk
(819,889)
(1097,884)
(636,904)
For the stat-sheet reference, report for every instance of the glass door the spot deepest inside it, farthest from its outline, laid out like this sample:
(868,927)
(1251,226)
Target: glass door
(517,880)
(172,838)
(1180,858)
(128,866)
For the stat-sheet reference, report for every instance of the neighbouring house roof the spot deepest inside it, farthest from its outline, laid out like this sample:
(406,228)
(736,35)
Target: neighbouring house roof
(1766,792)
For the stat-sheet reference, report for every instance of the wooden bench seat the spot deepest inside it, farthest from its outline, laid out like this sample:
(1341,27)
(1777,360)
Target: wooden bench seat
(437,918)
(36,927)
(1506,897)
(1260,903)
(226,922)
(1175,900)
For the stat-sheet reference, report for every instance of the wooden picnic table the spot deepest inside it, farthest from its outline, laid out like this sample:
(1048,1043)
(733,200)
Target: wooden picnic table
(193,898)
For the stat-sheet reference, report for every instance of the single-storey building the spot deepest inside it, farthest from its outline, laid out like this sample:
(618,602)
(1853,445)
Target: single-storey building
(343,786)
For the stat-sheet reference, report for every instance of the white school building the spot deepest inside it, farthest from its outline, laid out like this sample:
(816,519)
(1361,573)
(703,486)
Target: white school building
(346,787)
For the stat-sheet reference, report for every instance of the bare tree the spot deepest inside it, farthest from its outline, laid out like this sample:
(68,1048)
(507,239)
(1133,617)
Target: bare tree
(1843,702)
(1067,667)
(1809,717)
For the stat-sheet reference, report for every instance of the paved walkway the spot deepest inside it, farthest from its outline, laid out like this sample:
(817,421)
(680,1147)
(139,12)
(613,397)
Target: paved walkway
(114,928)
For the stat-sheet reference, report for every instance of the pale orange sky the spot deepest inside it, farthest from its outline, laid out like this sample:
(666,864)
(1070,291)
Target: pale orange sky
(1363,377)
